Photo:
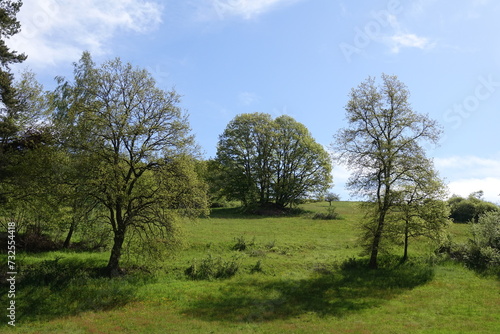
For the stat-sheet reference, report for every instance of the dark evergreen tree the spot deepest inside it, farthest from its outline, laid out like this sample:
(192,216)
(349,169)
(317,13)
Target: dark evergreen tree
(9,107)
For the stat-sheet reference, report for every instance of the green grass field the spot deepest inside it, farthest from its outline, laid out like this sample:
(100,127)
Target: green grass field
(295,275)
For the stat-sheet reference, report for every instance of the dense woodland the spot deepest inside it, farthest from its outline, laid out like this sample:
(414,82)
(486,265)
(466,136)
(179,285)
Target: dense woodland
(106,163)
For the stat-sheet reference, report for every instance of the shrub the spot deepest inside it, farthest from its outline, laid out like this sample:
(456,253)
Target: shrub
(212,268)
(482,252)
(464,210)
(257,268)
(241,244)
(329,215)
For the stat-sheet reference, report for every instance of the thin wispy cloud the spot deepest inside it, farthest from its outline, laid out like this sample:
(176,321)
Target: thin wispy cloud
(248,98)
(246,9)
(402,38)
(406,40)
(55,31)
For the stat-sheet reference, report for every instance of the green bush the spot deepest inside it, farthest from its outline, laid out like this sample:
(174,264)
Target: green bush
(482,252)
(465,210)
(329,215)
(257,268)
(212,268)
(241,244)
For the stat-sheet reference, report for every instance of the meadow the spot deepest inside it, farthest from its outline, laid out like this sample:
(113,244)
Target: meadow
(293,274)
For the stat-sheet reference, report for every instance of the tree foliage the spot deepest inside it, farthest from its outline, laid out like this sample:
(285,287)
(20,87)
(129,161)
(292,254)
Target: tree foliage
(331,197)
(9,106)
(266,161)
(129,140)
(420,209)
(381,146)
(469,209)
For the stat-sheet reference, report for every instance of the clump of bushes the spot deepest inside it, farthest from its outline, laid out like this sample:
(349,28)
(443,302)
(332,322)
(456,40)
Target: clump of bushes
(329,215)
(212,268)
(463,210)
(482,251)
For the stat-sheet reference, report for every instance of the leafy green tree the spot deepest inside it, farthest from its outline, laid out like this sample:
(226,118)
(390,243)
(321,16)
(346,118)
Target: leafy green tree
(381,147)
(268,161)
(300,165)
(9,107)
(244,151)
(331,197)
(420,209)
(131,140)
(468,209)
(211,171)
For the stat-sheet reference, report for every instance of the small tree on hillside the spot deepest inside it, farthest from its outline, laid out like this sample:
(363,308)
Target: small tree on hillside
(419,208)
(381,147)
(331,197)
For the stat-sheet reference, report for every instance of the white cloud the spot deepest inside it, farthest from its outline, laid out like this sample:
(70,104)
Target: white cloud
(464,187)
(467,174)
(246,9)
(406,40)
(247,98)
(55,30)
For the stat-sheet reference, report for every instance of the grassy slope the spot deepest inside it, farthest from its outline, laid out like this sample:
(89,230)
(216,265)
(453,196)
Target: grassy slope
(301,289)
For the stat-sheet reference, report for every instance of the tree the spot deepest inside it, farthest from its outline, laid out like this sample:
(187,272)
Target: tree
(300,165)
(468,209)
(9,26)
(130,140)
(32,160)
(268,161)
(381,147)
(420,209)
(331,197)
(244,152)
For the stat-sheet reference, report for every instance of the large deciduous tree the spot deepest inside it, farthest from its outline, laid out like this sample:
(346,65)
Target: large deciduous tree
(130,139)
(382,147)
(271,162)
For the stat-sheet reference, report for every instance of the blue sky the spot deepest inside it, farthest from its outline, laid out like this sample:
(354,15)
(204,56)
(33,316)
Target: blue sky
(296,57)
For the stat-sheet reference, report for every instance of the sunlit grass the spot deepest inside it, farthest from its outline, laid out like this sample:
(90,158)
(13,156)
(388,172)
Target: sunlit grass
(311,279)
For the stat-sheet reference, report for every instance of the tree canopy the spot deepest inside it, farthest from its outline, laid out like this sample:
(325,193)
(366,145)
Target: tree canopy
(9,106)
(381,146)
(271,162)
(130,142)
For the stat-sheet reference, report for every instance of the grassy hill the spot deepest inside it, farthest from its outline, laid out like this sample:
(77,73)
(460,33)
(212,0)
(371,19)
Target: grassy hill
(294,274)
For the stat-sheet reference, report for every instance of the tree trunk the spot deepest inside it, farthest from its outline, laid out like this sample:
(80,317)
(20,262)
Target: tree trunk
(405,253)
(113,268)
(70,234)
(373,264)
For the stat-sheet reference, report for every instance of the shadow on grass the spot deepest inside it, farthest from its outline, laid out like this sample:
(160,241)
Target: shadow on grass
(63,287)
(256,213)
(350,289)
